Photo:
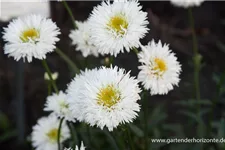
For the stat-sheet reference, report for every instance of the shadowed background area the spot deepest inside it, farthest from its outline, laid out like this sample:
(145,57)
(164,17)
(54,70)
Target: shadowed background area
(167,23)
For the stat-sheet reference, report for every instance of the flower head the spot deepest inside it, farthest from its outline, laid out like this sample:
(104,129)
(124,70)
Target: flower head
(59,105)
(159,68)
(104,97)
(54,76)
(45,133)
(186,3)
(117,26)
(30,36)
(81,38)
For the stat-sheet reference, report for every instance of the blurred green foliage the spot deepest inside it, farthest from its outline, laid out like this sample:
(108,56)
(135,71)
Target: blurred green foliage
(7,132)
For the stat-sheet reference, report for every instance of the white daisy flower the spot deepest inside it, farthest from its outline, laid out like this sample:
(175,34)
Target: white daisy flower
(59,105)
(117,26)
(30,36)
(54,76)
(81,38)
(186,3)
(45,133)
(104,97)
(77,148)
(160,69)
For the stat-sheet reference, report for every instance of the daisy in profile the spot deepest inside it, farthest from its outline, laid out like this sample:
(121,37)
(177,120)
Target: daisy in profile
(159,70)
(186,3)
(30,37)
(58,104)
(77,148)
(105,97)
(45,133)
(81,38)
(117,26)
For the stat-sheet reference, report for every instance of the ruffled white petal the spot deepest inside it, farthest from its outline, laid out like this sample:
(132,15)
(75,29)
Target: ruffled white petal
(39,137)
(153,80)
(83,97)
(81,38)
(107,40)
(38,48)
(58,104)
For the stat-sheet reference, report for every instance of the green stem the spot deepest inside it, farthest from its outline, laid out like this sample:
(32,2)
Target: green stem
(59,133)
(44,63)
(135,50)
(73,134)
(111,58)
(90,138)
(49,87)
(68,60)
(130,141)
(111,139)
(196,55)
(120,139)
(89,134)
(146,122)
(196,61)
(70,13)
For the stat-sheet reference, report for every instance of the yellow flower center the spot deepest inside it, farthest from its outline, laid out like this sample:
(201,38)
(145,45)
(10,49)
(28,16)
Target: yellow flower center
(118,23)
(108,96)
(30,34)
(53,135)
(160,67)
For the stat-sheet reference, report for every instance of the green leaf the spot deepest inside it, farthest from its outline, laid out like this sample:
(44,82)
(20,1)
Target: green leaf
(204,111)
(201,129)
(197,146)
(176,128)
(191,115)
(221,128)
(111,139)
(179,146)
(157,146)
(194,102)
(157,117)
(215,124)
(7,135)
(156,133)
(221,46)
(4,121)
(136,130)
(216,78)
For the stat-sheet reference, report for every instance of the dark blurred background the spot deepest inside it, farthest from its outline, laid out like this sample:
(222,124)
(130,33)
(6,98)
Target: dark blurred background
(166,22)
